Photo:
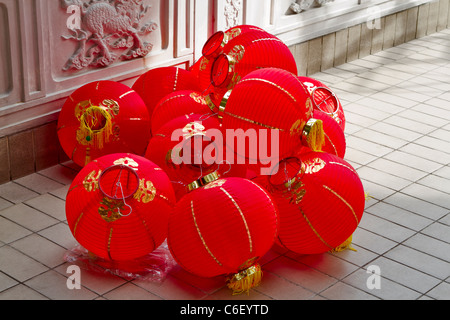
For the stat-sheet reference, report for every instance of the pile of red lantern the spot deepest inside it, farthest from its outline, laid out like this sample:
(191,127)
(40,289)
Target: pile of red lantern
(223,161)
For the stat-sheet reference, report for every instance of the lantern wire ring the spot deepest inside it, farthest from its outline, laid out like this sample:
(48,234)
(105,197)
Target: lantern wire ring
(118,185)
(331,96)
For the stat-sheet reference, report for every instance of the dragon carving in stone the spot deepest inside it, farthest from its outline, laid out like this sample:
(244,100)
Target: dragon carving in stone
(109,25)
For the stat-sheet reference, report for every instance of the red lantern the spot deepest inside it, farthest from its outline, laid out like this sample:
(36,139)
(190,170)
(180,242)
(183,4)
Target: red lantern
(325,100)
(272,100)
(248,52)
(335,142)
(223,227)
(181,134)
(117,207)
(101,118)
(176,104)
(213,47)
(157,83)
(321,201)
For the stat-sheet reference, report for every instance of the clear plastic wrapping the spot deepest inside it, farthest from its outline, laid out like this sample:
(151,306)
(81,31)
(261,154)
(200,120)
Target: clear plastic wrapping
(152,267)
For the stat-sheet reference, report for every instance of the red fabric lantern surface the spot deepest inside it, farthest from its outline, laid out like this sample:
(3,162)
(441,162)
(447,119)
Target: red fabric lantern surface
(101,118)
(248,52)
(335,142)
(222,227)
(118,205)
(198,141)
(325,100)
(320,199)
(269,100)
(176,104)
(157,83)
(213,47)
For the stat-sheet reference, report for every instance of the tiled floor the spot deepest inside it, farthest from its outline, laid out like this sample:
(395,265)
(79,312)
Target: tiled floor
(397,106)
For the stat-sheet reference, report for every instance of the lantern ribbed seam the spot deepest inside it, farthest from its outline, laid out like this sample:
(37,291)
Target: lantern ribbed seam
(201,237)
(272,84)
(344,201)
(242,216)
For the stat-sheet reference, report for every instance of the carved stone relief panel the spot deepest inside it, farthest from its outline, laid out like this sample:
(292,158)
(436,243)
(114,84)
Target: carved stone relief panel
(107,31)
(108,39)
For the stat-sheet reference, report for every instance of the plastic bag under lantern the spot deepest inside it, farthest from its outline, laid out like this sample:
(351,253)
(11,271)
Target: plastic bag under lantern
(223,226)
(101,118)
(118,206)
(321,201)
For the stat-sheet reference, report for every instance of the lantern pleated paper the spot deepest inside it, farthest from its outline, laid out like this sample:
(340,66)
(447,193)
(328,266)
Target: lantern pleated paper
(176,104)
(268,100)
(118,207)
(214,47)
(157,83)
(335,142)
(100,118)
(186,133)
(325,100)
(321,201)
(248,52)
(223,227)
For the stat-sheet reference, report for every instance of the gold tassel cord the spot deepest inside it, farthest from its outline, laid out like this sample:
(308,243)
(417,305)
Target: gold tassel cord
(245,280)
(96,126)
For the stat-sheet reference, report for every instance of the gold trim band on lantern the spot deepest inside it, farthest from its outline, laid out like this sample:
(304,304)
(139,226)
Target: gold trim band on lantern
(201,236)
(344,201)
(252,121)
(273,84)
(313,229)
(203,181)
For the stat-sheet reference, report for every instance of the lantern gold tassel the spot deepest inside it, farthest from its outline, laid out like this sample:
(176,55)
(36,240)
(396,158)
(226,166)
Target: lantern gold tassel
(96,126)
(245,280)
(344,246)
(313,135)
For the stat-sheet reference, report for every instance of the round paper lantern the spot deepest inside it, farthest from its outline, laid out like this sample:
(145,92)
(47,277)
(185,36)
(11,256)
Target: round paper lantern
(335,142)
(246,53)
(157,83)
(223,227)
(213,47)
(325,100)
(270,101)
(101,118)
(176,104)
(118,206)
(184,134)
(321,201)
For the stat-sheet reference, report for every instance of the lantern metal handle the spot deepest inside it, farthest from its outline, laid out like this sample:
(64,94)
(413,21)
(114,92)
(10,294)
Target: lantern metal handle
(331,96)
